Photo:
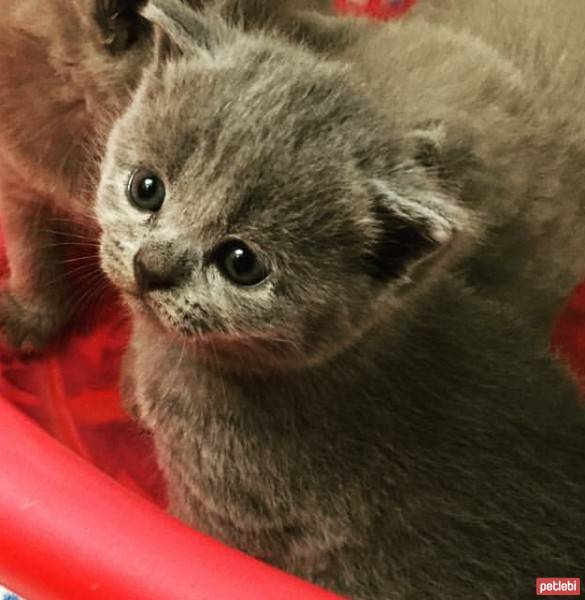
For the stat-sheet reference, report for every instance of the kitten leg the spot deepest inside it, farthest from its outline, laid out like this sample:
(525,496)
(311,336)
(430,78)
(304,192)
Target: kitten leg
(33,305)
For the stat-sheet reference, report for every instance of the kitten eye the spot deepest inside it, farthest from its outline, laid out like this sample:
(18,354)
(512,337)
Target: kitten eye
(146,190)
(239,264)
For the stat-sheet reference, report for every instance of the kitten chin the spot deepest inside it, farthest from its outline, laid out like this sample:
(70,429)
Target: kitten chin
(235,351)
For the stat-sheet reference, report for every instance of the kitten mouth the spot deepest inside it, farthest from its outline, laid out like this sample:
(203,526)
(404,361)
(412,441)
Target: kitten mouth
(198,334)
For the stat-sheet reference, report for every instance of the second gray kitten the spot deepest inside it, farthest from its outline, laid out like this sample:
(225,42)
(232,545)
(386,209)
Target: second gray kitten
(66,70)
(324,260)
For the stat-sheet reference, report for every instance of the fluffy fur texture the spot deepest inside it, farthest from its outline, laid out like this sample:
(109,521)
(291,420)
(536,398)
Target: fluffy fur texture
(67,68)
(379,414)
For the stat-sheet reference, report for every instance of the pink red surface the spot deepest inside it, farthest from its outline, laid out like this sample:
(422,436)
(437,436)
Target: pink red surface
(379,9)
(69,532)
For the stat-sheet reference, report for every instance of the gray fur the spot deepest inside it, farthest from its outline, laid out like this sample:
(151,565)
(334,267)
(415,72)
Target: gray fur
(380,415)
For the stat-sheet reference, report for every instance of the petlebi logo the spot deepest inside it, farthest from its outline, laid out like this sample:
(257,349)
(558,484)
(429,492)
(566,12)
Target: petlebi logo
(558,586)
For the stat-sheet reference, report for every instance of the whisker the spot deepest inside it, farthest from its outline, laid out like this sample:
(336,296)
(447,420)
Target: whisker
(83,277)
(79,244)
(218,368)
(90,297)
(90,257)
(87,268)
(69,234)
(81,222)
(179,365)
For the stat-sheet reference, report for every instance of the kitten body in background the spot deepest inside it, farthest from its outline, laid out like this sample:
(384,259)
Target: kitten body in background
(504,118)
(528,131)
(337,268)
(67,69)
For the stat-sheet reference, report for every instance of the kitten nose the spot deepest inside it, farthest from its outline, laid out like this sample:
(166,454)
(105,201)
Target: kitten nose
(155,269)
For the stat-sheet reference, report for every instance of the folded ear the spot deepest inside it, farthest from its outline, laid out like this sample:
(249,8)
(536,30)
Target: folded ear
(411,232)
(120,23)
(180,30)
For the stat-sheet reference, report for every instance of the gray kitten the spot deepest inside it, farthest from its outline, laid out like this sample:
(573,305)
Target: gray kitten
(67,69)
(328,344)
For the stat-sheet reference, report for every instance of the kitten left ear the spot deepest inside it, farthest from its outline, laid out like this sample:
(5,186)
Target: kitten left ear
(120,23)
(411,232)
(180,30)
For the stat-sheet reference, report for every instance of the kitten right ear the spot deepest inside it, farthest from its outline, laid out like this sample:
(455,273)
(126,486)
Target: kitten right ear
(412,232)
(180,30)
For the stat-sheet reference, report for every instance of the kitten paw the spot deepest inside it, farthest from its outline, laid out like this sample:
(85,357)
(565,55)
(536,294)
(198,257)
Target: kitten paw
(26,329)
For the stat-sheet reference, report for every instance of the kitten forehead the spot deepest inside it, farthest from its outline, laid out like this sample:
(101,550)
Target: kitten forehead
(243,145)
(255,110)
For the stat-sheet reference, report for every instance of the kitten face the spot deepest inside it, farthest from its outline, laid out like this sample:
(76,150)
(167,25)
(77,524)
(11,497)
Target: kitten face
(253,204)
